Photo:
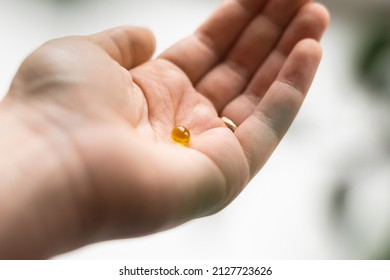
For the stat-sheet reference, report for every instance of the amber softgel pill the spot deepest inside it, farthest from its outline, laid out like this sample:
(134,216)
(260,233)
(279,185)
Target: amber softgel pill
(180,135)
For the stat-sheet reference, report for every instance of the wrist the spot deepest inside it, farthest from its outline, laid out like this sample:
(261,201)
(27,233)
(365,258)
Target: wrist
(44,206)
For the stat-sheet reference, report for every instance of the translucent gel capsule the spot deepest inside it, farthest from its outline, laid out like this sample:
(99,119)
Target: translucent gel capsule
(180,135)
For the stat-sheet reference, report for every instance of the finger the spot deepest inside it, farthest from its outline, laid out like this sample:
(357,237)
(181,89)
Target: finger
(198,53)
(129,46)
(311,22)
(261,132)
(231,77)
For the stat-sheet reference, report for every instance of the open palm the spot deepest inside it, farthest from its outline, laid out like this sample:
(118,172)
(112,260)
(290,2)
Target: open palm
(253,61)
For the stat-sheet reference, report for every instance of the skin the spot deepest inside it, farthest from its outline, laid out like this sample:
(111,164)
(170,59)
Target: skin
(85,127)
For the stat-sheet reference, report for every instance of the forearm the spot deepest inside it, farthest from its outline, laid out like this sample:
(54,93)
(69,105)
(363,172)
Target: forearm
(35,218)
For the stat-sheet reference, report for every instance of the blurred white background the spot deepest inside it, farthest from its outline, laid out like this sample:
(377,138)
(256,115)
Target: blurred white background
(324,194)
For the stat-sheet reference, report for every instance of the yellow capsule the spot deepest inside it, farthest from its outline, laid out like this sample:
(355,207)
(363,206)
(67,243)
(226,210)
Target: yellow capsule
(180,135)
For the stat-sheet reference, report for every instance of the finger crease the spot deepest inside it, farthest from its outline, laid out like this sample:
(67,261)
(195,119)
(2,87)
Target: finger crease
(291,86)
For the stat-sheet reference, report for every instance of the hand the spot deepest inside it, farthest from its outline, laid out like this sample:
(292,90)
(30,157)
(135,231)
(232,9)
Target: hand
(106,113)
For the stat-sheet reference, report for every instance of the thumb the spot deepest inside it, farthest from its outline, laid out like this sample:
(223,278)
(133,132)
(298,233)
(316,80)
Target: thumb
(129,46)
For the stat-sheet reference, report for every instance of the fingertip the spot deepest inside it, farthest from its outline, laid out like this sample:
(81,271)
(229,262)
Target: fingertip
(301,65)
(322,13)
(147,37)
(129,46)
(307,50)
(317,18)
(135,43)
